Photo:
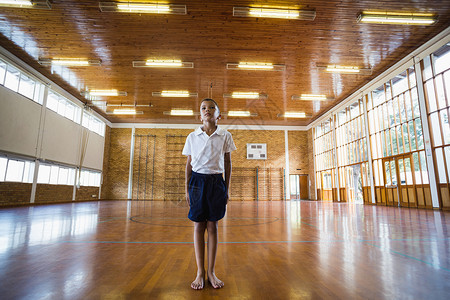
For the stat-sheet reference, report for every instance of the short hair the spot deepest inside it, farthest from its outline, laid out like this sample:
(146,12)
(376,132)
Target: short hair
(213,101)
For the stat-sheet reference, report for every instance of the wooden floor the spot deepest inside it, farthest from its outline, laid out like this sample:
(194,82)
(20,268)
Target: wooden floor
(268,250)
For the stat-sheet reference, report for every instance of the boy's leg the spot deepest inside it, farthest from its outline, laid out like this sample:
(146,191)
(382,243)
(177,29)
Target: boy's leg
(213,240)
(199,247)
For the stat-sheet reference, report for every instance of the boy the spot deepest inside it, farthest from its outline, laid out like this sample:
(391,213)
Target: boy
(208,151)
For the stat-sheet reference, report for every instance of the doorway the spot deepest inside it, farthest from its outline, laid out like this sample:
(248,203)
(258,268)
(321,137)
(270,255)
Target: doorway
(399,182)
(299,186)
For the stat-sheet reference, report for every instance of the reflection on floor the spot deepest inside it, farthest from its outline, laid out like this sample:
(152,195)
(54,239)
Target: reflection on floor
(268,250)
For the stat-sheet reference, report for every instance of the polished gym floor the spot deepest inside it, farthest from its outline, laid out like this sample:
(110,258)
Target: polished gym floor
(267,250)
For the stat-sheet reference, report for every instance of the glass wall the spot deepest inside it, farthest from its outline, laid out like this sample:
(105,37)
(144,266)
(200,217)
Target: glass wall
(436,81)
(325,157)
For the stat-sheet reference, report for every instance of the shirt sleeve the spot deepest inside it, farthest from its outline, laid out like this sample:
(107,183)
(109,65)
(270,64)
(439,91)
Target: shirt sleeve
(187,146)
(229,144)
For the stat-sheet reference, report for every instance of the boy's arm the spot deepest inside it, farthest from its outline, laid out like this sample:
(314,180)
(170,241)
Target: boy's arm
(188,177)
(227,159)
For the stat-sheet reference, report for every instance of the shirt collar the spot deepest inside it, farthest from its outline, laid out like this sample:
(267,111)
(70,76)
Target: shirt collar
(218,131)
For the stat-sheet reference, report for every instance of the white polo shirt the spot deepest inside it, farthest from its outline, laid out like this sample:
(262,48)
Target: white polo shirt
(208,152)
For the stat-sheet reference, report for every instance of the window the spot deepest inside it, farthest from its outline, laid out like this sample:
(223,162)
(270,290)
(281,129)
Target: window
(16,170)
(93,124)
(55,174)
(19,82)
(63,107)
(90,178)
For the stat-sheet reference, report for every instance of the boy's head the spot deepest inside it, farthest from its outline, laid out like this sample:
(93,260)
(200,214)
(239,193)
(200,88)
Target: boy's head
(209,109)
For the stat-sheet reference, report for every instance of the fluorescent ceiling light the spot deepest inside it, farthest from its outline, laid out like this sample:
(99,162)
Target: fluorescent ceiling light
(174,94)
(154,63)
(311,97)
(106,93)
(76,62)
(294,115)
(342,69)
(43,4)
(245,95)
(232,113)
(181,112)
(397,18)
(279,13)
(255,66)
(125,111)
(258,66)
(142,7)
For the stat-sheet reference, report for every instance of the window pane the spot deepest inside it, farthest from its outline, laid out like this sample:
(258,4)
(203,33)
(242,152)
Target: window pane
(415,103)
(71,177)
(419,134)
(44,174)
(26,86)
(15,170)
(434,117)
(412,77)
(399,139)
(28,172)
(442,59)
(70,109)
(54,175)
(2,72)
(409,114)
(3,163)
(387,173)
(408,172)
(52,101)
(63,176)
(394,141)
(427,73)
(12,78)
(423,168)
(416,163)
(391,111)
(440,92)
(401,170)
(447,158)
(447,84)
(412,135)
(406,137)
(378,96)
(430,95)
(401,102)
(85,122)
(39,93)
(388,142)
(440,165)
(445,126)
(399,83)
(61,106)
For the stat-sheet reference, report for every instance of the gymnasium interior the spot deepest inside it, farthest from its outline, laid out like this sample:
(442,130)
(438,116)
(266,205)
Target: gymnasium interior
(340,184)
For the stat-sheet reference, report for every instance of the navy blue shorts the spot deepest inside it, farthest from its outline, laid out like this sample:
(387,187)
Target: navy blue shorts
(207,197)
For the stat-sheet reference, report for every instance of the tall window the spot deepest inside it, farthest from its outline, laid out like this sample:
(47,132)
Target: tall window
(325,159)
(436,77)
(395,128)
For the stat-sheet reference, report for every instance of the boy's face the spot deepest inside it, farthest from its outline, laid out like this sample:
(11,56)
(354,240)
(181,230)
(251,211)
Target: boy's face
(209,111)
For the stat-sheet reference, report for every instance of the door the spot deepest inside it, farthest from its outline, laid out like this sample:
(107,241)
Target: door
(399,181)
(390,180)
(304,190)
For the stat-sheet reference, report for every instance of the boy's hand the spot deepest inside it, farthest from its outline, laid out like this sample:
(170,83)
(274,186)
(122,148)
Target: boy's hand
(187,199)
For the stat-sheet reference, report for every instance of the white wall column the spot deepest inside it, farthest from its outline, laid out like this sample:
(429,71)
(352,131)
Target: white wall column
(130,174)
(369,149)
(426,134)
(287,179)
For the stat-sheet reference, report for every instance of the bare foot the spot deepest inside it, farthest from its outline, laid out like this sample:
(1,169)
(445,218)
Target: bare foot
(215,282)
(199,282)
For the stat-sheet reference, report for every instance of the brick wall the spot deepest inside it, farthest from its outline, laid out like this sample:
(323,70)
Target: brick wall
(14,193)
(85,193)
(48,193)
(158,160)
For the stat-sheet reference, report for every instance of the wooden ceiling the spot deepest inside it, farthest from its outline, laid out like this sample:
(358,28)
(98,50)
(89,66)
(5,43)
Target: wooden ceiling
(210,37)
